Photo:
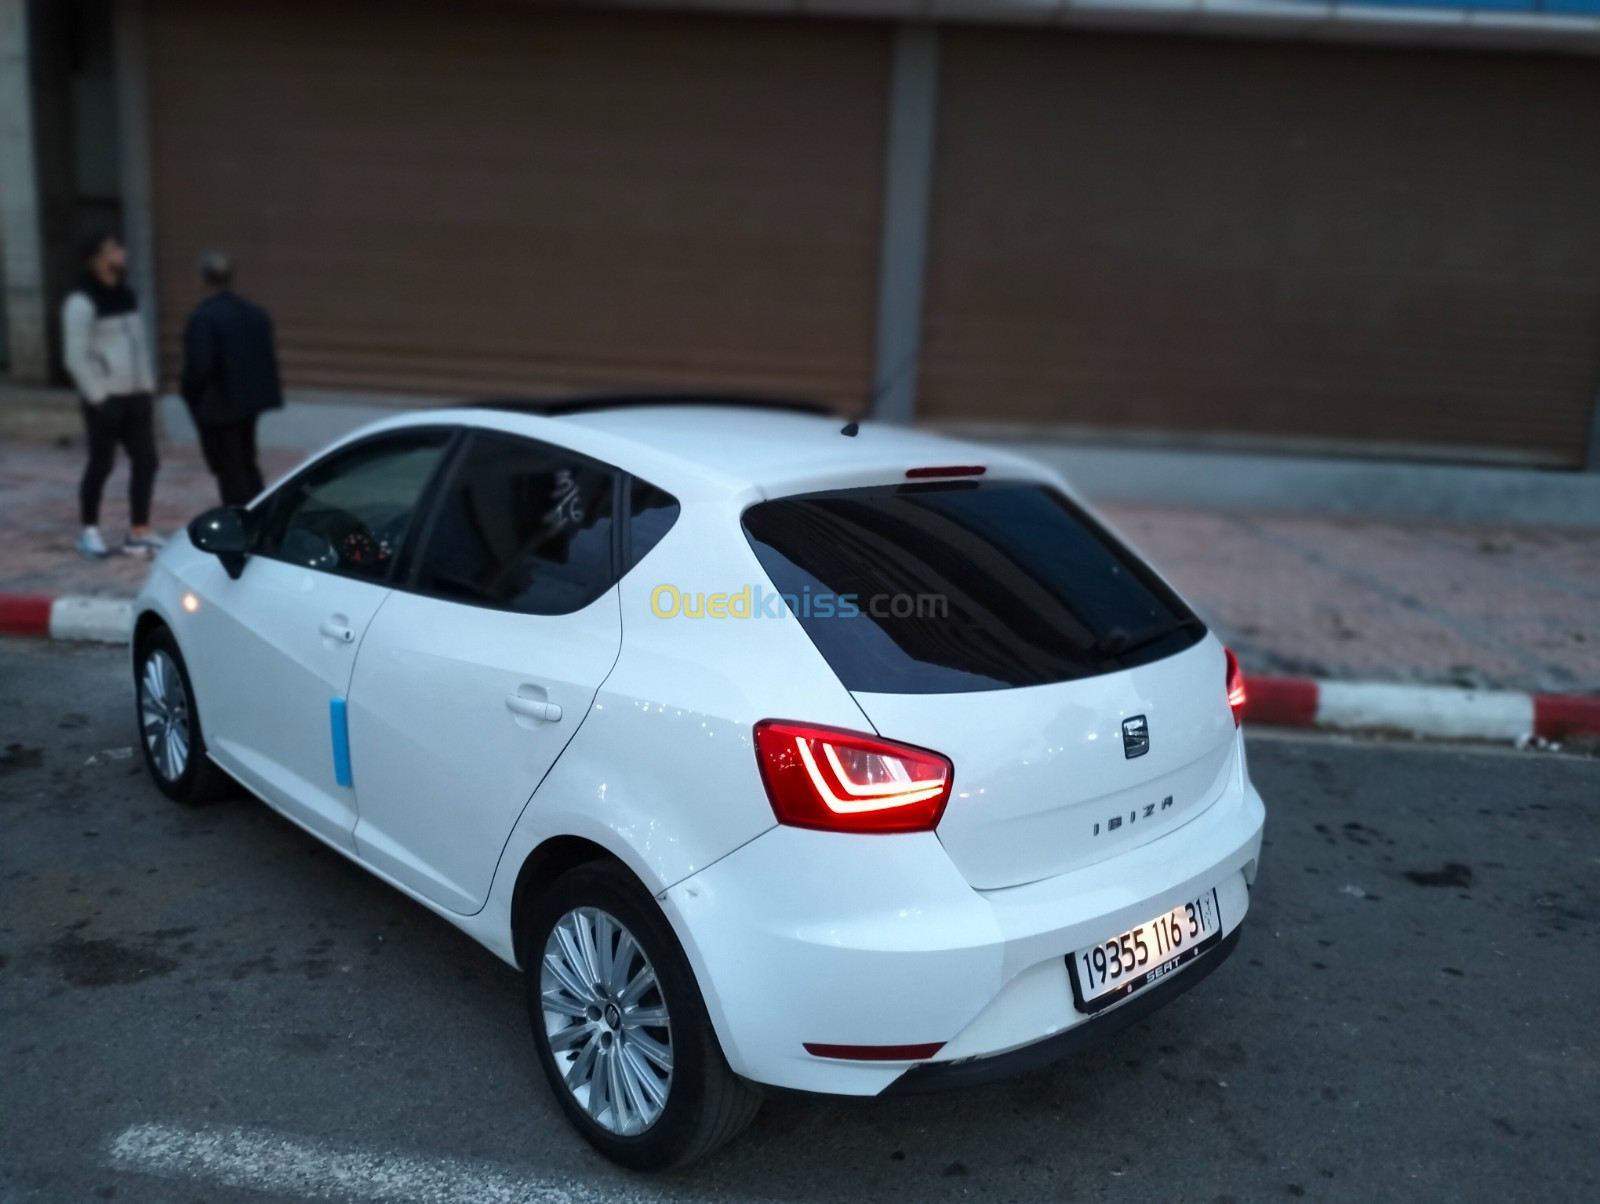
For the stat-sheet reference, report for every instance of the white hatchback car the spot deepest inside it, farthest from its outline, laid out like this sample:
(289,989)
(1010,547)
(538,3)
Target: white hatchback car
(779,753)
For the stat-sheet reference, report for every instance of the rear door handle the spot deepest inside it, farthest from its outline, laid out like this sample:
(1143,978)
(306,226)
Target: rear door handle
(533,708)
(336,629)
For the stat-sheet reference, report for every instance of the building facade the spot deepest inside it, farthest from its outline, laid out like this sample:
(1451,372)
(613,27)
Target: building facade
(1368,228)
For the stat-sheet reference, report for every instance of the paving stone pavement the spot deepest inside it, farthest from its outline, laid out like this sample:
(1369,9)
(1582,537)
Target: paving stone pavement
(1467,604)
(39,515)
(1470,605)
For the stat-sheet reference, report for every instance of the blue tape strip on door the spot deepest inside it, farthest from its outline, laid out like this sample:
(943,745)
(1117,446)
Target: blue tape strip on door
(340,722)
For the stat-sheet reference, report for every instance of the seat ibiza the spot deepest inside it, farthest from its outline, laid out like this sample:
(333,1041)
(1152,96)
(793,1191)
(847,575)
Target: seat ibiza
(777,753)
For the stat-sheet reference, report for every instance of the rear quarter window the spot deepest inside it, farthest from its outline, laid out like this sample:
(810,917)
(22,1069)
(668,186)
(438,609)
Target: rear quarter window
(651,513)
(947,587)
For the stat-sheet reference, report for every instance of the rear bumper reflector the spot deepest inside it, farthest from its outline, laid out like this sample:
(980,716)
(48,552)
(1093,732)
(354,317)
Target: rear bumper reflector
(875,1053)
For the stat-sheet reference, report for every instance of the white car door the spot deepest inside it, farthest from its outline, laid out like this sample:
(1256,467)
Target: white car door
(477,672)
(277,645)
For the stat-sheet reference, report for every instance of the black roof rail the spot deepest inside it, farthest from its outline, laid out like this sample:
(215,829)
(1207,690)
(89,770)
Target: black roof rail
(555,407)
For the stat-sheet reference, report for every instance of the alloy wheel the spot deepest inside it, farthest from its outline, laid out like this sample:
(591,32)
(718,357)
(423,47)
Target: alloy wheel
(164,715)
(606,1020)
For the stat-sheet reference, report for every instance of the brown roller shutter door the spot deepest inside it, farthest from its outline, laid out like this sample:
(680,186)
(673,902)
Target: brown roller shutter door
(482,197)
(1384,247)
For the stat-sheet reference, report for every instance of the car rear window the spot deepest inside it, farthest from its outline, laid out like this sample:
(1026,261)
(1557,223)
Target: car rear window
(957,586)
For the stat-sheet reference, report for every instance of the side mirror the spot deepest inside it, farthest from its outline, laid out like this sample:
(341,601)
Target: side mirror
(225,533)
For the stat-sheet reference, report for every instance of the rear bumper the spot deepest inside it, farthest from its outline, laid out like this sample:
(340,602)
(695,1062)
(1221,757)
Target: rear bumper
(971,1072)
(804,936)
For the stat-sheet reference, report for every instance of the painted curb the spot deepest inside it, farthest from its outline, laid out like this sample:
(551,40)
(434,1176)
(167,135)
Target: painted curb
(25,614)
(100,620)
(1440,712)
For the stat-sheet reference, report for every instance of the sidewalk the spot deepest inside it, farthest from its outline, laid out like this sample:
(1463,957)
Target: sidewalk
(1449,604)
(1468,605)
(39,515)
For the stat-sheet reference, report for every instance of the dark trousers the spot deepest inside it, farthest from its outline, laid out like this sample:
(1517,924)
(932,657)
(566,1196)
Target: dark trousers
(128,419)
(230,452)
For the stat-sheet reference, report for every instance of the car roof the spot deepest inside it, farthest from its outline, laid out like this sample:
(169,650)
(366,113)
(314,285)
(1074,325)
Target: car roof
(689,448)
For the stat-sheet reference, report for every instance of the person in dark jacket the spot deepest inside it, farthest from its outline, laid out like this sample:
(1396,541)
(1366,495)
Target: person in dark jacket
(230,378)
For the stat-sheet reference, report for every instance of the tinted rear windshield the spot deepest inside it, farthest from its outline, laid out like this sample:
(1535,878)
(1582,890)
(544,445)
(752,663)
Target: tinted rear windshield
(949,587)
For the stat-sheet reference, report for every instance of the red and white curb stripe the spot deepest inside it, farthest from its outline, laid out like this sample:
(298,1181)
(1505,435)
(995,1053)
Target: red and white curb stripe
(102,620)
(1441,712)
(1444,712)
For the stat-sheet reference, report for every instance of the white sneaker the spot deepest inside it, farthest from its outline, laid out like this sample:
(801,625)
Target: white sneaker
(142,545)
(91,544)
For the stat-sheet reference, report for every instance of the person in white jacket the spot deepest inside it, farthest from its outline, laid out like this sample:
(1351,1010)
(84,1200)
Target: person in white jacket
(105,353)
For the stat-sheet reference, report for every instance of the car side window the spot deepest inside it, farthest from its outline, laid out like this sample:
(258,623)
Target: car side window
(523,526)
(651,513)
(349,513)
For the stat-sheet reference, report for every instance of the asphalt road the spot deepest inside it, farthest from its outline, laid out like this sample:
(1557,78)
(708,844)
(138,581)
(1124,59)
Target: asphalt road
(208,1005)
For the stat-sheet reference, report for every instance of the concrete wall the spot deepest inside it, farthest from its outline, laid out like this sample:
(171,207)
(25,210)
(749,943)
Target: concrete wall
(20,232)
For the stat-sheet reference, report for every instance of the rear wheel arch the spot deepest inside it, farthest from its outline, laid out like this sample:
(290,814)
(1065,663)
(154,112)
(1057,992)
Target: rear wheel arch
(557,856)
(704,1102)
(547,862)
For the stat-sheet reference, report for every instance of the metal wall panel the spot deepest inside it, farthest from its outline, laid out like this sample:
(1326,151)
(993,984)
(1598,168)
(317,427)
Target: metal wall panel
(1391,248)
(484,197)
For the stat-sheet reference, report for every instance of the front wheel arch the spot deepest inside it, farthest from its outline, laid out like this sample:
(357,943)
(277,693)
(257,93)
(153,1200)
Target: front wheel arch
(200,780)
(146,625)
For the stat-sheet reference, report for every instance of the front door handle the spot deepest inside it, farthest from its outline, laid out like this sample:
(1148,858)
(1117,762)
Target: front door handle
(336,628)
(533,708)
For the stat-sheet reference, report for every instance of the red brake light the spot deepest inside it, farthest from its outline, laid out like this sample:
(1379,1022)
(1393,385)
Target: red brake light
(951,470)
(838,781)
(1236,694)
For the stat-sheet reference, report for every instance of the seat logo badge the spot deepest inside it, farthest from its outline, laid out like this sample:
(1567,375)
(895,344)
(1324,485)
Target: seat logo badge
(1135,737)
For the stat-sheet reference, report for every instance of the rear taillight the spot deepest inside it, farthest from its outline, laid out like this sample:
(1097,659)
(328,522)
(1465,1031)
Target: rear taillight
(838,781)
(1235,687)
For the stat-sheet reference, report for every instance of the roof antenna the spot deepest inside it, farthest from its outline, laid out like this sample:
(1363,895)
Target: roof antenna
(850,429)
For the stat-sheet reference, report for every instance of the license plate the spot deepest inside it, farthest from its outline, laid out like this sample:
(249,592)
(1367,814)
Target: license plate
(1115,968)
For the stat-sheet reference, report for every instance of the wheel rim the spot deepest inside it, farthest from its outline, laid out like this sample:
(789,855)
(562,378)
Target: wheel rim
(164,715)
(606,1020)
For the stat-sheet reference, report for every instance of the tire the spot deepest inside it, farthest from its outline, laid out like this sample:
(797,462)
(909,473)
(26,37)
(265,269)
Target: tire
(703,1103)
(169,724)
